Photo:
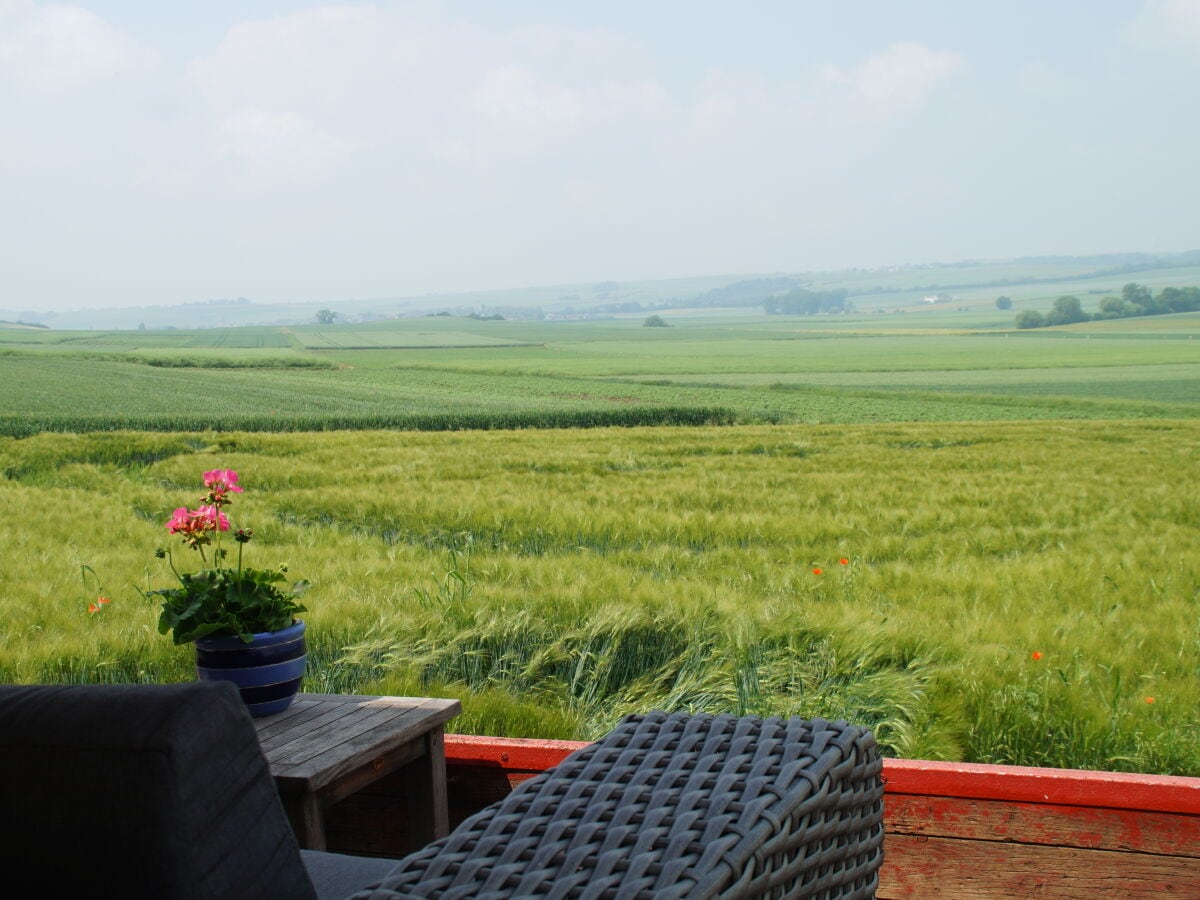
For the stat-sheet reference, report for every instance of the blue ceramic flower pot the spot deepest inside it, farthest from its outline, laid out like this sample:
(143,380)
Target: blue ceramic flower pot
(267,671)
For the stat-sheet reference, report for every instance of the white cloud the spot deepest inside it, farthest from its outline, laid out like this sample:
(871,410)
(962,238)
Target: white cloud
(279,146)
(315,60)
(591,54)
(366,76)
(728,101)
(1169,22)
(293,96)
(744,109)
(524,109)
(900,78)
(59,46)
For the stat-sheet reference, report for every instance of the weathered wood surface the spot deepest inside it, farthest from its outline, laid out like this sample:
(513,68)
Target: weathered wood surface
(1165,834)
(1071,787)
(975,831)
(326,747)
(920,867)
(322,737)
(968,831)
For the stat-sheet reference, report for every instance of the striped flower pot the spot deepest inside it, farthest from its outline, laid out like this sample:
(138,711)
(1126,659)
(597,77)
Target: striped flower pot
(267,671)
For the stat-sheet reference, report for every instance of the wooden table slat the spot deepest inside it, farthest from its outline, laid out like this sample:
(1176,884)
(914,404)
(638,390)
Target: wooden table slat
(341,722)
(321,714)
(289,744)
(355,748)
(315,717)
(279,720)
(304,747)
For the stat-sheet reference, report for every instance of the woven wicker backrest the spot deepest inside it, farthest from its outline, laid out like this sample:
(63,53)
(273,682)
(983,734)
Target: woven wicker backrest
(674,805)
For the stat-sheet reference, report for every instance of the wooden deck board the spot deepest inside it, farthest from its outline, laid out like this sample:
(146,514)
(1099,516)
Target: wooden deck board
(1168,834)
(920,867)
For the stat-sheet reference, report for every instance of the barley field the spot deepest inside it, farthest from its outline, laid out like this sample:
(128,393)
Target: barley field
(1021,592)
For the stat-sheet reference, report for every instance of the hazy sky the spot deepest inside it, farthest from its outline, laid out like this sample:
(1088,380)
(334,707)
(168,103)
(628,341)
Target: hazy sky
(169,152)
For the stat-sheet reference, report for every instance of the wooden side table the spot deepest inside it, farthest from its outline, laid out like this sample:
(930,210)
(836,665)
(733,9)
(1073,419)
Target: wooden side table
(325,747)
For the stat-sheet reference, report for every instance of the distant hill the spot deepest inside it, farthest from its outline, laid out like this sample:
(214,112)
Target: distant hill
(879,287)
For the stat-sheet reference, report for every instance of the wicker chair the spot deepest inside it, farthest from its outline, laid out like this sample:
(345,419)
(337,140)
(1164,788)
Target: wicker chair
(674,806)
(162,792)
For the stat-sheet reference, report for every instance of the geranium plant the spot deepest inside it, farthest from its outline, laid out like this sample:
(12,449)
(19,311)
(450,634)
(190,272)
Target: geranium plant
(220,600)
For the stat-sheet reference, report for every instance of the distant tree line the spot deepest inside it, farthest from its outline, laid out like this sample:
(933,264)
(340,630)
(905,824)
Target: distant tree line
(494,314)
(748,292)
(779,294)
(803,302)
(1135,300)
(624,306)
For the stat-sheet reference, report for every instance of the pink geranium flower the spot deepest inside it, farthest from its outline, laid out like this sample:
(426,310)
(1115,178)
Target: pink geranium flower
(221,483)
(179,520)
(224,479)
(196,525)
(217,520)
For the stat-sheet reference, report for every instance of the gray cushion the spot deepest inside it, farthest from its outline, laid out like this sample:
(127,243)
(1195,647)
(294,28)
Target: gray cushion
(157,791)
(340,875)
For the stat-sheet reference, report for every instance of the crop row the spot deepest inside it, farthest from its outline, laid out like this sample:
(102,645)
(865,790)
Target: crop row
(68,393)
(24,426)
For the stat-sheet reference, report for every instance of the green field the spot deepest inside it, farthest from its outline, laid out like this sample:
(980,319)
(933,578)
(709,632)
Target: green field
(475,529)
(454,373)
(556,579)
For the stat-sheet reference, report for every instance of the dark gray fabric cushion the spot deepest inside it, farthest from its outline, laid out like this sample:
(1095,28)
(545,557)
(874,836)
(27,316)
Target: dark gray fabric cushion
(157,791)
(340,875)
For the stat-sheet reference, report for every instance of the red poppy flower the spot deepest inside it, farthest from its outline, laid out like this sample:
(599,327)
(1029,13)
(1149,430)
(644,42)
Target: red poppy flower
(843,561)
(93,608)
(1037,654)
(816,571)
(1149,699)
